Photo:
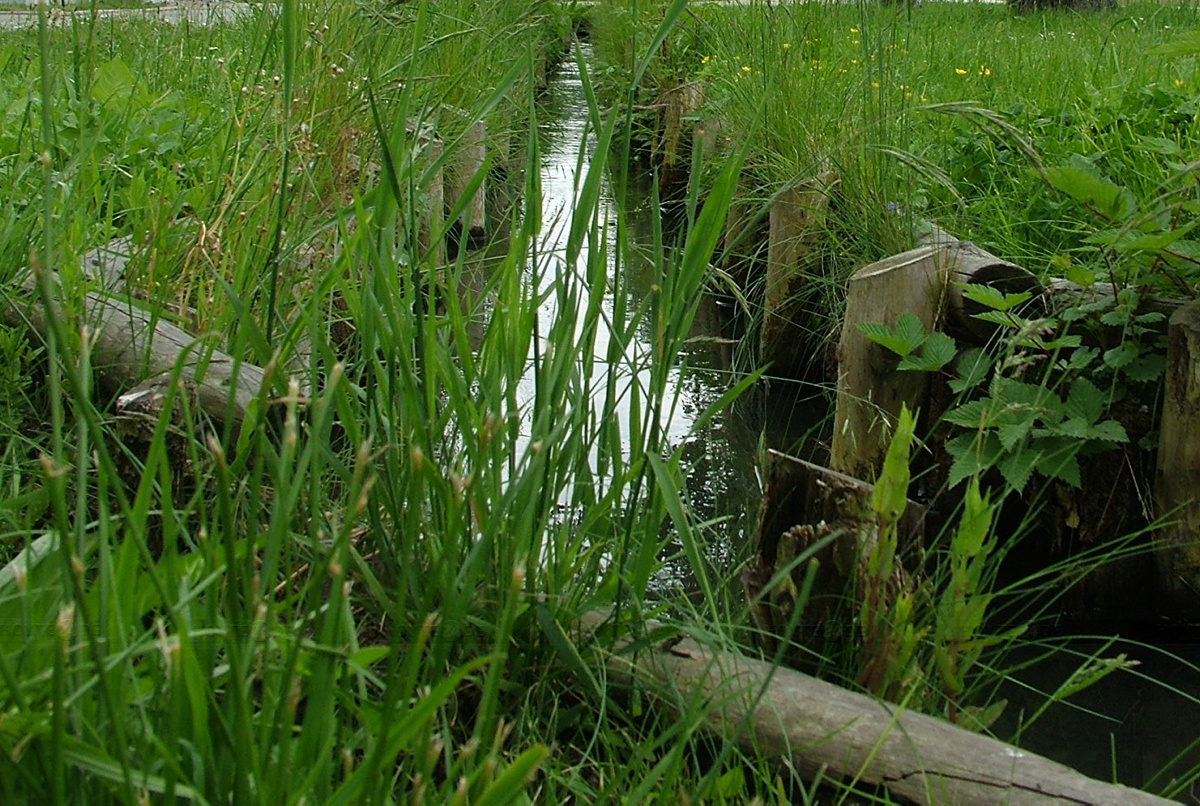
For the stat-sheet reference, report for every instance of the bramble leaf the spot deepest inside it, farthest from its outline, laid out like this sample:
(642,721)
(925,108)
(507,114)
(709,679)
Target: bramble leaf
(994,298)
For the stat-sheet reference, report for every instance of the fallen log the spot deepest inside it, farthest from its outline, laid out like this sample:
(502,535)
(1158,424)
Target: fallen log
(130,345)
(824,730)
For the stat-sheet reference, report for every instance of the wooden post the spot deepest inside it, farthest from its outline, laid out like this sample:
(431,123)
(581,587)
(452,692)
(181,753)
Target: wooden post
(676,105)
(469,159)
(426,159)
(1178,483)
(796,222)
(870,390)
(706,138)
(803,503)
(819,729)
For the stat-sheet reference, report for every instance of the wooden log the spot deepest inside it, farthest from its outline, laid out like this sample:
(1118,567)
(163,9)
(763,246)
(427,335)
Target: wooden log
(870,389)
(820,729)
(967,263)
(130,345)
(427,158)
(1178,482)
(797,222)
(676,107)
(706,138)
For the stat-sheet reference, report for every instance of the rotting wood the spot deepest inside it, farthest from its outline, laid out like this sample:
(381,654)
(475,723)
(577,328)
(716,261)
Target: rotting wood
(870,388)
(823,730)
(1178,483)
(796,224)
(803,503)
(130,345)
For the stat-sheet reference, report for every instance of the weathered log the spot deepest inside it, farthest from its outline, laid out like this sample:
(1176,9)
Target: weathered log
(797,222)
(130,345)
(427,155)
(1178,483)
(870,389)
(823,730)
(967,263)
(676,106)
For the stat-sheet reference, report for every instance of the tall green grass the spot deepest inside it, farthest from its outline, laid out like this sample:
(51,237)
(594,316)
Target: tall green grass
(366,593)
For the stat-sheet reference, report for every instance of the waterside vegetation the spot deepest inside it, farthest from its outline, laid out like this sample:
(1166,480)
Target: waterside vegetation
(367,588)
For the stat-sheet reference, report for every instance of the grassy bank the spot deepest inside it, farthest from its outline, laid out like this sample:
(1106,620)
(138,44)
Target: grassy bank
(365,593)
(944,113)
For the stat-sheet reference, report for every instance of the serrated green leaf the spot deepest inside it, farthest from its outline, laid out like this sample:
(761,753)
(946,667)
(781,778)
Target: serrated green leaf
(1056,458)
(1085,401)
(1008,320)
(1121,356)
(972,414)
(937,351)
(1013,433)
(1148,368)
(1155,242)
(973,453)
(1107,198)
(972,369)
(887,338)
(994,298)
(1017,467)
(1080,276)
(1109,431)
(1082,358)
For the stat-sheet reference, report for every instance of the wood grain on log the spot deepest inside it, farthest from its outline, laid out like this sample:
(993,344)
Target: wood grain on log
(130,345)
(823,729)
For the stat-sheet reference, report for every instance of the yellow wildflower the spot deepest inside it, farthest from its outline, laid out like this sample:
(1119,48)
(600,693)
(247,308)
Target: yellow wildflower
(853,30)
(984,71)
(787,45)
(704,60)
(745,68)
(960,71)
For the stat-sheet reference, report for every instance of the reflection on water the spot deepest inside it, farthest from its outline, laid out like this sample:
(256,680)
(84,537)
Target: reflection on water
(720,458)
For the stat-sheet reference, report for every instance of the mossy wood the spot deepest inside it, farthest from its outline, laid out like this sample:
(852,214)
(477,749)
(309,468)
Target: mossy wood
(1178,483)
(796,230)
(822,730)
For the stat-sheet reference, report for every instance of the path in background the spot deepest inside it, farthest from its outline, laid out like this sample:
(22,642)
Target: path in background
(198,12)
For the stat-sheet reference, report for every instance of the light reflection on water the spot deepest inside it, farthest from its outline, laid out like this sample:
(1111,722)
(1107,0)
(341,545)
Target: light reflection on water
(721,457)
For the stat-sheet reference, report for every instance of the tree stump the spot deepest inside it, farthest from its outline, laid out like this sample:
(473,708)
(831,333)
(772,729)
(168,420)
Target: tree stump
(870,389)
